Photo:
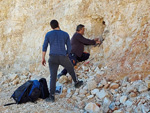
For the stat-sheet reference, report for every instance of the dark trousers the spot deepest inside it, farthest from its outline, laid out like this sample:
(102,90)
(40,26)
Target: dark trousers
(74,59)
(54,62)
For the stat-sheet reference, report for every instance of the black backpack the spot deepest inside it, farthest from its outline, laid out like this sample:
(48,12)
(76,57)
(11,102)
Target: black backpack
(29,91)
(44,88)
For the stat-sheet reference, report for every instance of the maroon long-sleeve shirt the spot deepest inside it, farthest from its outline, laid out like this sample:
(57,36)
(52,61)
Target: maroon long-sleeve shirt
(78,42)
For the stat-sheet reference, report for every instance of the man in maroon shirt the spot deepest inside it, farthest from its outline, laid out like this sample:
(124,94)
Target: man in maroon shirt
(77,43)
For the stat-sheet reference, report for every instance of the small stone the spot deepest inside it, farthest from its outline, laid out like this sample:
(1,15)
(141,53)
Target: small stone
(128,103)
(81,104)
(104,82)
(117,103)
(68,100)
(106,104)
(132,94)
(99,105)
(130,89)
(97,78)
(90,96)
(147,83)
(92,107)
(106,86)
(123,99)
(94,91)
(15,82)
(113,91)
(114,86)
(83,92)
(142,88)
(69,95)
(145,109)
(13,77)
(70,79)
(62,95)
(100,85)
(23,77)
(102,94)
(64,89)
(63,79)
(112,106)
(91,85)
(1,74)
(118,111)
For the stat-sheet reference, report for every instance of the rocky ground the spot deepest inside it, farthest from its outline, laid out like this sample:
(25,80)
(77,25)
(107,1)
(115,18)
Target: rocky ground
(99,94)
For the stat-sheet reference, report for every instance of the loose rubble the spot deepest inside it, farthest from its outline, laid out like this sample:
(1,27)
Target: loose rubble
(95,96)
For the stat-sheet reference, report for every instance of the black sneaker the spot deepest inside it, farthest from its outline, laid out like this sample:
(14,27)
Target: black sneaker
(78,84)
(50,99)
(59,75)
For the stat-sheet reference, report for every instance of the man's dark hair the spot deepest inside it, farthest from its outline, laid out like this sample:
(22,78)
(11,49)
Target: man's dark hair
(54,24)
(79,27)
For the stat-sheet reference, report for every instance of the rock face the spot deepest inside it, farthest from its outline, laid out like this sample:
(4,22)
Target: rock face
(124,24)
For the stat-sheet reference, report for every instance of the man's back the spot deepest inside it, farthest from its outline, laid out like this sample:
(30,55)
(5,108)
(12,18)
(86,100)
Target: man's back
(57,40)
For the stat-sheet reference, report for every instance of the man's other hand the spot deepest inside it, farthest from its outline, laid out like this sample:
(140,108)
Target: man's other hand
(98,42)
(43,62)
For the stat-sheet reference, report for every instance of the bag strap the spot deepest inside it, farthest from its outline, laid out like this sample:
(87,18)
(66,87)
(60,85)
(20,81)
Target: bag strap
(10,104)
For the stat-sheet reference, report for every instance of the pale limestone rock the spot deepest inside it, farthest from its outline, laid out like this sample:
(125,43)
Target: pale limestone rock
(132,94)
(64,90)
(69,79)
(118,111)
(145,109)
(69,95)
(90,96)
(142,88)
(106,104)
(82,92)
(16,81)
(114,86)
(128,103)
(104,82)
(13,77)
(81,104)
(102,94)
(92,107)
(148,83)
(130,88)
(1,74)
(63,79)
(123,99)
(23,77)
(91,85)
(112,106)
(100,85)
(94,91)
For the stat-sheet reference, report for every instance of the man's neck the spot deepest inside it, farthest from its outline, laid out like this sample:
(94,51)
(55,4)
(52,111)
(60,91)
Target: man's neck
(79,32)
(57,28)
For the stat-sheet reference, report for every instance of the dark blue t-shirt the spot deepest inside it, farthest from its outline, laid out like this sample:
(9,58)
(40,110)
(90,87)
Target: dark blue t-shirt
(59,42)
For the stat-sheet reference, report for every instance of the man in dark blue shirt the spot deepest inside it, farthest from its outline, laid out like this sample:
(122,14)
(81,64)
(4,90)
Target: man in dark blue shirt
(57,39)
